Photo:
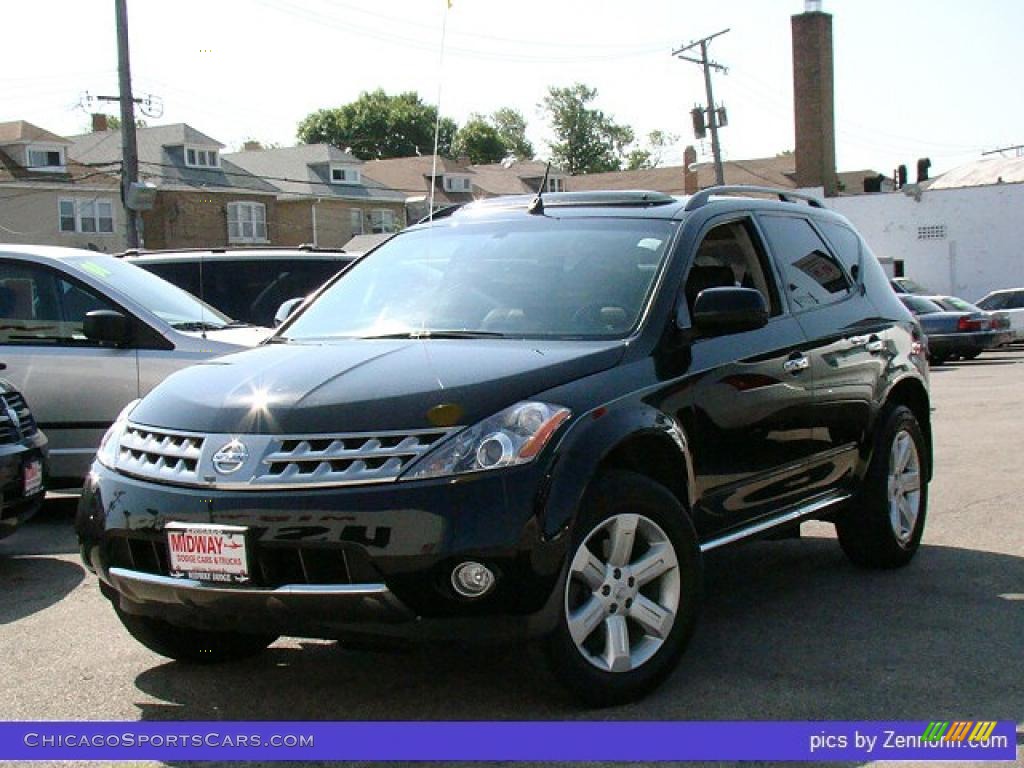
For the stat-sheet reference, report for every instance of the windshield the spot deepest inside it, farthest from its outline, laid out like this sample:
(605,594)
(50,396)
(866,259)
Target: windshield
(920,306)
(537,277)
(171,304)
(954,304)
(995,301)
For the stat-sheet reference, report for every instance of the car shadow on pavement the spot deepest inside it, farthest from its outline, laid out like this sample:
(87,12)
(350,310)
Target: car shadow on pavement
(790,631)
(32,584)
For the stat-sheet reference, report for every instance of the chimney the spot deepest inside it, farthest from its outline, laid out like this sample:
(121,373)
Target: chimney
(99,122)
(690,185)
(813,96)
(251,145)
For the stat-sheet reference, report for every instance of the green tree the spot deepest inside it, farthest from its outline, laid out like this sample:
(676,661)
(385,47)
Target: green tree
(379,125)
(651,155)
(114,123)
(479,141)
(511,127)
(588,140)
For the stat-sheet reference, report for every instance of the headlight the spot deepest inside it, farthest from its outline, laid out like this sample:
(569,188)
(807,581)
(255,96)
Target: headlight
(513,436)
(111,443)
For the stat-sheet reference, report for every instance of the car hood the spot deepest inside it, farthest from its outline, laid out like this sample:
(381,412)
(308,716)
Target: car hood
(240,336)
(366,385)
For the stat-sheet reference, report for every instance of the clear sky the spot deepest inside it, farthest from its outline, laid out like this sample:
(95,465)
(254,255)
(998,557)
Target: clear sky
(914,78)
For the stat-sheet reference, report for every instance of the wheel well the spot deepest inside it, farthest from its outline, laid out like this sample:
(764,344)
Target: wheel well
(912,394)
(656,457)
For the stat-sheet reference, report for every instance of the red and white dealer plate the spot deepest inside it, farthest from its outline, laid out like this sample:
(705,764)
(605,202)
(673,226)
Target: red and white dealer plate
(32,477)
(215,553)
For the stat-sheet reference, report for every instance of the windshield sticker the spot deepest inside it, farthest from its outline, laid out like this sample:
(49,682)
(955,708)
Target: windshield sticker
(95,269)
(650,243)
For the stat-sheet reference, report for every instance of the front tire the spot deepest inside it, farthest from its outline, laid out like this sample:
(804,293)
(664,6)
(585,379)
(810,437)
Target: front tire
(196,646)
(884,526)
(632,592)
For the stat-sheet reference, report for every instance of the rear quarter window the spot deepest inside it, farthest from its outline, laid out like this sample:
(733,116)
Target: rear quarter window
(811,275)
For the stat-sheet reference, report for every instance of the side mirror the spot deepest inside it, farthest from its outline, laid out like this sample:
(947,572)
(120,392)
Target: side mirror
(729,310)
(286,309)
(107,326)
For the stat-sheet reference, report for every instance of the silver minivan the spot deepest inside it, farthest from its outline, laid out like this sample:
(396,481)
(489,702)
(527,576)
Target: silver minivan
(83,334)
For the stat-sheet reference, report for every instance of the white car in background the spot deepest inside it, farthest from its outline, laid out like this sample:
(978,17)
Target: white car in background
(1009,302)
(83,334)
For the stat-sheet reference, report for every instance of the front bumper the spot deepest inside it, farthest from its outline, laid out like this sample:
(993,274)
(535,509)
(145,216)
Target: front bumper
(349,561)
(15,505)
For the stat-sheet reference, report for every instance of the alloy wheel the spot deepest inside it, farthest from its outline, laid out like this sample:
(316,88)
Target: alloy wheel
(622,594)
(904,487)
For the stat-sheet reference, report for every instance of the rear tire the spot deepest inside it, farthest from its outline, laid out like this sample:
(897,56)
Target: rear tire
(937,359)
(196,646)
(631,597)
(883,527)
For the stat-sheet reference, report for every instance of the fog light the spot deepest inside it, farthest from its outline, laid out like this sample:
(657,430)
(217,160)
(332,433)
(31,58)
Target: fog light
(472,579)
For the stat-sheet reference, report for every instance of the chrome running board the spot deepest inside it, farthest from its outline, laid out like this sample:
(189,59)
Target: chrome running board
(774,522)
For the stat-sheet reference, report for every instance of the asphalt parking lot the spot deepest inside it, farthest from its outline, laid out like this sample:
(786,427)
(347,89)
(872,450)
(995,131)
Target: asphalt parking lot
(790,630)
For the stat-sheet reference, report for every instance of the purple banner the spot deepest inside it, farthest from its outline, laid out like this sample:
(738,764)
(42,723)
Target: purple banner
(488,741)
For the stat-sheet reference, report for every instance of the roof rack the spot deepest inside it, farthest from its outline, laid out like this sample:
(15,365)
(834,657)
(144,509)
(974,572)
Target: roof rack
(304,247)
(785,195)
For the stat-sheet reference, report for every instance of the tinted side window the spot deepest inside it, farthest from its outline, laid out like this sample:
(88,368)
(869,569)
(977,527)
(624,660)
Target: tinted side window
(1016,301)
(38,306)
(812,277)
(845,245)
(185,275)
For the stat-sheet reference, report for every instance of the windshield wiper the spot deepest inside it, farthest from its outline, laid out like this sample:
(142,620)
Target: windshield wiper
(196,325)
(451,334)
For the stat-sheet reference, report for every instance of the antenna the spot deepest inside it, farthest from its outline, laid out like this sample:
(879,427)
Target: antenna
(536,206)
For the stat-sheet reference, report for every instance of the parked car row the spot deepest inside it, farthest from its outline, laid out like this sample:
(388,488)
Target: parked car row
(529,419)
(956,328)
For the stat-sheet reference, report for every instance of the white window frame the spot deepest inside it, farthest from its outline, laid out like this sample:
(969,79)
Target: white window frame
(81,207)
(238,218)
(210,156)
(349,175)
(357,221)
(457,183)
(380,215)
(556,184)
(47,148)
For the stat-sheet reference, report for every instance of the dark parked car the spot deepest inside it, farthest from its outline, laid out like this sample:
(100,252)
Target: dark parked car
(22,460)
(953,334)
(247,284)
(999,321)
(530,419)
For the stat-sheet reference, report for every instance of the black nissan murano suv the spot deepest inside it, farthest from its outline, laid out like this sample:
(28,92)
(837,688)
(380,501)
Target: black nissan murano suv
(527,419)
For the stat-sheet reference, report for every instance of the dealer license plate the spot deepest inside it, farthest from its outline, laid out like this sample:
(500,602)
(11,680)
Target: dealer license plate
(215,553)
(32,477)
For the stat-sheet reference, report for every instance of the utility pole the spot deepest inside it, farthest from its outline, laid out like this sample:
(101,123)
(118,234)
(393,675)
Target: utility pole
(129,149)
(713,118)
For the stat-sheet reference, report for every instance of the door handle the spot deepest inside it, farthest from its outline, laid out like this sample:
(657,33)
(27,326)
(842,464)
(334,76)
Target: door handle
(796,364)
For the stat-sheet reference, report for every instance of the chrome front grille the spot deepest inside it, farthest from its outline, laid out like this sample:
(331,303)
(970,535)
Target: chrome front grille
(160,454)
(16,421)
(273,461)
(350,458)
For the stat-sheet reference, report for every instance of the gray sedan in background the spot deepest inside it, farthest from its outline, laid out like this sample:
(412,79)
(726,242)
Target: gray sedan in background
(83,334)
